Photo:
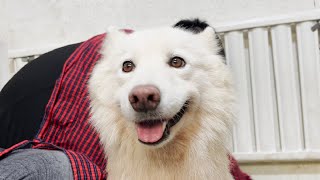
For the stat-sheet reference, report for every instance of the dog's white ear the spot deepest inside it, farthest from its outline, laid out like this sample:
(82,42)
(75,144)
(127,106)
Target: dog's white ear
(208,35)
(112,29)
(114,37)
(114,33)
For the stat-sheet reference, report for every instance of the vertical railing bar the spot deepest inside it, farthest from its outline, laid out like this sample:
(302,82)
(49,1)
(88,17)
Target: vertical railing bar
(263,104)
(295,46)
(234,45)
(287,88)
(275,89)
(253,129)
(309,63)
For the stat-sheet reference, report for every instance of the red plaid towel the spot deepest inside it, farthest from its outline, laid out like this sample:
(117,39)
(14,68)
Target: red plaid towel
(65,124)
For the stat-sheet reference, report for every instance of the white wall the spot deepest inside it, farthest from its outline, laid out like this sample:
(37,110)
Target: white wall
(4,71)
(3,22)
(38,23)
(4,67)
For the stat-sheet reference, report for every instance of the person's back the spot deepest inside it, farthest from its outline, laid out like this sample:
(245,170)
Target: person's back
(24,98)
(22,103)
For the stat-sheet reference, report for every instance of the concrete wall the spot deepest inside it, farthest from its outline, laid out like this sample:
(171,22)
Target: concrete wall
(4,70)
(38,23)
(283,171)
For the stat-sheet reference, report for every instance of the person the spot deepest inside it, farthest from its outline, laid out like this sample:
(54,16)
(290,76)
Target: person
(56,139)
(22,103)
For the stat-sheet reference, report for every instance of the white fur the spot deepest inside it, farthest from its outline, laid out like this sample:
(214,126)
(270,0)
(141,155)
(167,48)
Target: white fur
(195,148)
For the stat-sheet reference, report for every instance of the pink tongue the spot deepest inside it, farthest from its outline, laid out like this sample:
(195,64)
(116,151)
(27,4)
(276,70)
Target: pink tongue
(150,133)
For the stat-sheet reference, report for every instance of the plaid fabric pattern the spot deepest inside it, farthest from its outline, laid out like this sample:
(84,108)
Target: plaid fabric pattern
(65,124)
(67,114)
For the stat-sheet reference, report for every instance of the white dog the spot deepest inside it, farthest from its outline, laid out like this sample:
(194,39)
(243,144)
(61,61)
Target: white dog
(162,101)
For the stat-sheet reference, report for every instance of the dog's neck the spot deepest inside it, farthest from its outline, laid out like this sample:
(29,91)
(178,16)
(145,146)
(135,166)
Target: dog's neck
(182,156)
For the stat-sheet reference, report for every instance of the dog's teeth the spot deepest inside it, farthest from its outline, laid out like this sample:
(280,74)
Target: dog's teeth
(164,124)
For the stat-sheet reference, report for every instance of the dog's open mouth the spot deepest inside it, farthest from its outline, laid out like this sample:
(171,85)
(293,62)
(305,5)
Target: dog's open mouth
(155,131)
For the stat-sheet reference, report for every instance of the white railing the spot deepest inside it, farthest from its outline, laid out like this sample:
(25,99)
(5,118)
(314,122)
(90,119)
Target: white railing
(19,58)
(276,66)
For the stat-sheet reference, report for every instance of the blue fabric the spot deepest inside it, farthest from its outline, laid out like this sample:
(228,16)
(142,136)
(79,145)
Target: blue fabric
(35,164)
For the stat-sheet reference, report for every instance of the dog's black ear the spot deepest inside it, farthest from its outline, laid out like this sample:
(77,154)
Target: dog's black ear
(193,25)
(196,26)
(221,51)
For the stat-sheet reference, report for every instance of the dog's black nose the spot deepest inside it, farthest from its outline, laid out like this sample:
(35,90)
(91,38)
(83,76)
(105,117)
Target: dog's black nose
(144,98)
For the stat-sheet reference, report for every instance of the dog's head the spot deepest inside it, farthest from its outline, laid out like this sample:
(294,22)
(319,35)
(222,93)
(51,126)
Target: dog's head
(152,84)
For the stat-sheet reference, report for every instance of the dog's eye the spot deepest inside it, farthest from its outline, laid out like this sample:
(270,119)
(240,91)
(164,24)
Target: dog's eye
(177,62)
(128,66)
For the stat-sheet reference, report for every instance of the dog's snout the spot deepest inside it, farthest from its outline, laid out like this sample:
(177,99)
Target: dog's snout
(144,98)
